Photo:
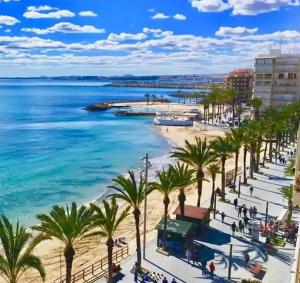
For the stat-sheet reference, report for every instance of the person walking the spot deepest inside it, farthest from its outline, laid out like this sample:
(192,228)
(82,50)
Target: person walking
(174,281)
(254,211)
(251,211)
(241,226)
(204,266)
(195,257)
(135,272)
(251,190)
(233,228)
(246,219)
(188,255)
(245,210)
(235,202)
(165,280)
(246,258)
(240,211)
(223,216)
(212,268)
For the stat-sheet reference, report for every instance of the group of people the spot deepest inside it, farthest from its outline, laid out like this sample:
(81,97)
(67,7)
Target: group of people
(281,159)
(192,256)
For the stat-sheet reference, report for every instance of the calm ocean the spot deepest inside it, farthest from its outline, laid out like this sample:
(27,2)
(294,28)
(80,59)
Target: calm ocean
(53,152)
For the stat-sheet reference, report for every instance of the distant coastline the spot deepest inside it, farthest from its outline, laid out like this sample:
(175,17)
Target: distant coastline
(148,84)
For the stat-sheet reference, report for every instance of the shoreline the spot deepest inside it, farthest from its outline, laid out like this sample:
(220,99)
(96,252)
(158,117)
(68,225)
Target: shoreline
(93,249)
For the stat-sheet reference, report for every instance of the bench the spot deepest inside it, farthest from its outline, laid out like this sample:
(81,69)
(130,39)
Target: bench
(256,268)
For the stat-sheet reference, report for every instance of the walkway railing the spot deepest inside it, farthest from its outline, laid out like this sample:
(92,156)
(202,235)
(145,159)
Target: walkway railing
(98,269)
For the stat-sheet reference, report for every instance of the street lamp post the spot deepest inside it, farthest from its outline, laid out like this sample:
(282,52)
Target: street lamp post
(146,158)
(267,212)
(230,262)
(239,194)
(215,204)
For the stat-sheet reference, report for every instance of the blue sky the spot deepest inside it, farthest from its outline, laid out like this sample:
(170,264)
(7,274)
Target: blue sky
(106,37)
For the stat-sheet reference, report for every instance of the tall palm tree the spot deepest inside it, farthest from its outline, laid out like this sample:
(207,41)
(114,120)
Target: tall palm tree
(108,220)
(133,193)
(198,156)
(287,193)
(290,169)
(256,103)
(183,176)
(236,139)
(69,225)
(17,256)
(166,184)
(147,96)
(213,170)
(223,149)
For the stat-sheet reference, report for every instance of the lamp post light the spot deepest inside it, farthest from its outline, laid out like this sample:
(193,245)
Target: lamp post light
(215,203)
(239,193)
(267,212)
(147,165)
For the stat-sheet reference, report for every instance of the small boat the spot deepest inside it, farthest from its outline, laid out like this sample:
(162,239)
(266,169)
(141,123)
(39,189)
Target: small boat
(176,119)
(97,107)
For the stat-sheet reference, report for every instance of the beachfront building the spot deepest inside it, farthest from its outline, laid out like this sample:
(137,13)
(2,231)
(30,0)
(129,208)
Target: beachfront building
(241,80)
(277,78)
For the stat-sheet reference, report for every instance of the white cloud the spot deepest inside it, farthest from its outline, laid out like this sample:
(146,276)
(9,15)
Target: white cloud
(157,33)
(179,17)
(8,20)
(235,31)
(65,27)
(160,16)
(254,7)
(7,30)
(151,10)
(210,5)
(242,7)
(46,12)
(87,14)
(126,36)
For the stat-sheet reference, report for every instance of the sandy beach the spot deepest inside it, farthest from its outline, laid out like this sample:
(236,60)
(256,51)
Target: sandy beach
(93,249)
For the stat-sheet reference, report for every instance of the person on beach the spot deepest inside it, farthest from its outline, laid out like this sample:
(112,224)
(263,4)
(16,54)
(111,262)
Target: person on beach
(251,190)
(233,228)
(212,268)
(240,211)
(235,202)
(223,216)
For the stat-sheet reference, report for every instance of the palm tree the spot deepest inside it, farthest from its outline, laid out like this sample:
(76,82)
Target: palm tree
(222,149)
(108,220)
(183,176)
(133,194)
(236,139)
(290,169)
(213,170)
(256,103)
(147,95)
(69,226)
(198,156)
(287,193)
(166,184)
(17,256)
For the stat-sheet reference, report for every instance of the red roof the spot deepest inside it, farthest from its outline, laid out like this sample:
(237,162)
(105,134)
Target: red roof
(192,212)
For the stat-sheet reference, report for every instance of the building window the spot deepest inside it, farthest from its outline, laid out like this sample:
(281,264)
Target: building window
(281,76)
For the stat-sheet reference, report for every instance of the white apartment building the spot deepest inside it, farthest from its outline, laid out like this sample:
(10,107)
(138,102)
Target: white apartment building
(277,78)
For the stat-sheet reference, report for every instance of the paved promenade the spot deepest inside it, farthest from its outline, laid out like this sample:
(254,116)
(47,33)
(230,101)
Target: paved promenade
(214,243)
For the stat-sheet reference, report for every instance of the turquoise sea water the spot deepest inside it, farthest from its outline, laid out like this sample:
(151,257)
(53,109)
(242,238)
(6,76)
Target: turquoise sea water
(53,152)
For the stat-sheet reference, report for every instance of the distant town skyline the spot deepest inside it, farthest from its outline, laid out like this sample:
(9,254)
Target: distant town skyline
(142,37)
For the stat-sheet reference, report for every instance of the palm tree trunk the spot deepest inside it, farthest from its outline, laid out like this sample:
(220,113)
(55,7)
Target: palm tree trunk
(110,246)
(181,199)
(236,168)
(166,203)
(265,153)
(245,165)
(212,193)
(270,150)
(290,209)
(137,214)
(69,253)
(252,151)
(223,178)
(200,176)
(256,167)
